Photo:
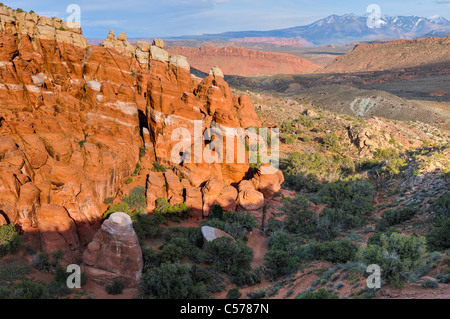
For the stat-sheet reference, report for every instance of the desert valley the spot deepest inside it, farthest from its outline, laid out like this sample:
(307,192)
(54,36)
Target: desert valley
(88,129)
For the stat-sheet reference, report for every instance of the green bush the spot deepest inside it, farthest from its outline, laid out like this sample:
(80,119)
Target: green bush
(129,180)
(441,206)
(279,263)
(322,293)
(116,288)
(281,259)
(398,256)
(341,251)
(438,237)
(347,165)
(137,198)
(236,224)
(228,256)
(330,141)
(394,217)
(393,162)
(302,171)
(430,284)
(348,205)
(109,200)
(10,240)
(28,290)
(122,208)
(234,293)
(158,168)
(172,281)
(147,227)
(174,212)
(290,140)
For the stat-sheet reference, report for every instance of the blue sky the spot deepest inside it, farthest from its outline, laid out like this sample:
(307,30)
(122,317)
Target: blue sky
(164,18)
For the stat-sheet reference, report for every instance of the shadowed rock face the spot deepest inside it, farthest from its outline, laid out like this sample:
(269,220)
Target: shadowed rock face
(115,252)
(73,119)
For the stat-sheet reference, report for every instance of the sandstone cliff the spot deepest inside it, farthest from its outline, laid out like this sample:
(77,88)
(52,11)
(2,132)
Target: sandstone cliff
(74,119)
(396,54)
(244,62)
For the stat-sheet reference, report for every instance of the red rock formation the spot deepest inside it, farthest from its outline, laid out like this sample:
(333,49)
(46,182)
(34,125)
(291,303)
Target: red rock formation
(115,253)
(397,54)
(73,120)
(293,42)
(244,62)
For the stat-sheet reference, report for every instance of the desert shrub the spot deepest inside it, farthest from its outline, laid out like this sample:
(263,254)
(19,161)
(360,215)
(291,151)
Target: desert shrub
(147,227)
(172,281)
(122,208)
(141,152)
(272,226)
(281,259)
(236,224)
(193,235)
(394,217)
(299,220)
(170,253)
(341,251)
(28,290)
(116,288)
(137,198)
(43,262)
(302,171)
(393,162)
(279,263)
(174,212)
(234,293)
(444,278)
(347,165)
(10,240)
(129,180)
(438,237)
(330,141)
(430,284)
(322,293)
(247,278)
(353,196)
(305,121)
(326,227)
(228,256)
(58,289)
(375,239)
(158,168)
(289,139)
(441,206)
(398,256)
(109,200)
(216,212)
(302,222)
(348,205)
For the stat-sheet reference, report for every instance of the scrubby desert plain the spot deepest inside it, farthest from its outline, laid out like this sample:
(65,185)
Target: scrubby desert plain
(87,178)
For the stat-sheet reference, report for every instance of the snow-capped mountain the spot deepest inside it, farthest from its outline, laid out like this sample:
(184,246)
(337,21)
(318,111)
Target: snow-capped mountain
(343,29)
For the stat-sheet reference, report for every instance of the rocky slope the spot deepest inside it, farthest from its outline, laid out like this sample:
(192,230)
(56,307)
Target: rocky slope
(244,62)
(396,54)
(75,120)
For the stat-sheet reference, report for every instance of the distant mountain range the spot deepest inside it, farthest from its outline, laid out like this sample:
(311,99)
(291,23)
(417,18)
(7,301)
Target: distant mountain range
(344,29)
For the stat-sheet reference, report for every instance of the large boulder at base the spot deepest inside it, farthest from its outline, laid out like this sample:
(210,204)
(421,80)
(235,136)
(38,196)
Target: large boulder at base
(249,198)
(114,253)
(227,199)
(268,180)
(210,233)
